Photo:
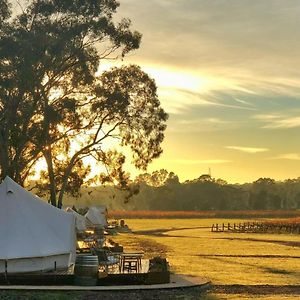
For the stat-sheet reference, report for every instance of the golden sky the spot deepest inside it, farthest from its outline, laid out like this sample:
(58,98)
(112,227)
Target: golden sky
(228,75)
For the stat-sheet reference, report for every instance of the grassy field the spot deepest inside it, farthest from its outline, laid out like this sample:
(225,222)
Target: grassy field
(162,214)
(253,261)
(224,258)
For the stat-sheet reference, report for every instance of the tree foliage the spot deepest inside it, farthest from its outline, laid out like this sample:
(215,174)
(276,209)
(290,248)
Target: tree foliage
(5,11)
(53,105)
(157,192)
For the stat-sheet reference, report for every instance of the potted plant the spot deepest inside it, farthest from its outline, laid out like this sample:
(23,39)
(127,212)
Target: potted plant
(158,271)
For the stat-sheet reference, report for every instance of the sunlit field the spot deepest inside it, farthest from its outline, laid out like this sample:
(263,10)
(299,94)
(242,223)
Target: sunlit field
(224,258)
(161,214)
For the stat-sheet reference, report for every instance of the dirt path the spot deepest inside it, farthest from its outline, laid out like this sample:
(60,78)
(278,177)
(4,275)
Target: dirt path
(215,293)
(163,231)
(150,247)
(257,289)
(168,294)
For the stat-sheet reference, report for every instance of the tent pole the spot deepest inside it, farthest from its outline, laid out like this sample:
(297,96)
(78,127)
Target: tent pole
(55,271)
(6,272)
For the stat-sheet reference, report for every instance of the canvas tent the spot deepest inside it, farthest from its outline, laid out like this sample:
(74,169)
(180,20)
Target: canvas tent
(96,217)
(80,221)
(102,209)
(34,235)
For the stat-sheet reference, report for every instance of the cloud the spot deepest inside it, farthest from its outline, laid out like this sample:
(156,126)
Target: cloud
(197,162)
(243,102)
(203,122)
(247,149)
(275,121)
(255,44)
(178,100)
(206,122)
(267,117)
(284,123)
(192,124)
(288,156)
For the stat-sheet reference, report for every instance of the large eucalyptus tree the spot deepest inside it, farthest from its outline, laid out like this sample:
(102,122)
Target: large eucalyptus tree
(53,105)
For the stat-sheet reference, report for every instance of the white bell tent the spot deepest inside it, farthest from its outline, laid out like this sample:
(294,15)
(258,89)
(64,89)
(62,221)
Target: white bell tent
(96,217)
(79,220)
(102,209)
(34,235)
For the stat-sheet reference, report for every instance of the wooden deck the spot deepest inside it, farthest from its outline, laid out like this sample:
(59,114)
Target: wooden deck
(115,269)
(177,281)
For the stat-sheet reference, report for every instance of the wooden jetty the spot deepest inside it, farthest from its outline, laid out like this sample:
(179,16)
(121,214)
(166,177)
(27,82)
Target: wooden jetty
(257,227)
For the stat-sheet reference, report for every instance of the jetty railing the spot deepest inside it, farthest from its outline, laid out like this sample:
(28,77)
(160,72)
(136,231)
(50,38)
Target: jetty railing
(256,227)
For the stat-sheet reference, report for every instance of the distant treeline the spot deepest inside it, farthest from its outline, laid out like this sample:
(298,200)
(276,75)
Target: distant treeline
(206,193)
(291,215)
(162,191)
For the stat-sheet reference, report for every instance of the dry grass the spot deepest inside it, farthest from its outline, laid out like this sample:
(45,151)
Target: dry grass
(122,214)
(224,258)
(289,221)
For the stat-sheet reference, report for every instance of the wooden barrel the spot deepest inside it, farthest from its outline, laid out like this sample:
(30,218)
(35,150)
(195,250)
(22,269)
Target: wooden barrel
(86,270)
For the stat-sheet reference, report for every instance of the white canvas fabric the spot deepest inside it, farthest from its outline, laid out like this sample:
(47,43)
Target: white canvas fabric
(79,219)
(95,216)
(102,209)
(34,235)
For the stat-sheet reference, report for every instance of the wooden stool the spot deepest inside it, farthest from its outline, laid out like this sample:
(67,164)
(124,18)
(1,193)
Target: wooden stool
(130,266)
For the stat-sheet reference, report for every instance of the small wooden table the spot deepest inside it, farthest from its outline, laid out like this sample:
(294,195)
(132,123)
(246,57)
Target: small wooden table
(131,262)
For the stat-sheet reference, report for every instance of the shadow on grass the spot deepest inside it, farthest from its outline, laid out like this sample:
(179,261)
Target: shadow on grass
(278,271)
(250,255)
(283,243)
(39,295)
(271,270)
(177,294)
(162,231)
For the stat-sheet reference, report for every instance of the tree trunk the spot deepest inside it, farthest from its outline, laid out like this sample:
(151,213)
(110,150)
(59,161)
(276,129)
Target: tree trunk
(65,181)
(4,159)
(48,157)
